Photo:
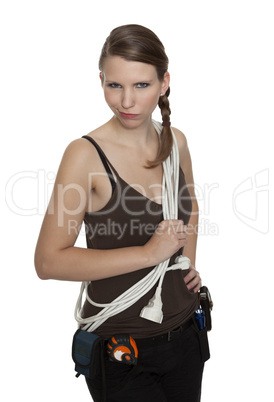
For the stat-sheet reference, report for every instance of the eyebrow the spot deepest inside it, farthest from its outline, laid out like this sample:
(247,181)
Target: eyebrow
(138,82)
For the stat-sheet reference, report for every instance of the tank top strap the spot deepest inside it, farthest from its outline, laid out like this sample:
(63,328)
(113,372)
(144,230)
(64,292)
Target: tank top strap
(105,161)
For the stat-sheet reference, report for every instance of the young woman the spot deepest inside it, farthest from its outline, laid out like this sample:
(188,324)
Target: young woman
(112,180)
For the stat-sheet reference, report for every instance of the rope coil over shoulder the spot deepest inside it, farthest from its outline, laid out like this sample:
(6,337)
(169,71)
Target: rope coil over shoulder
(153,311)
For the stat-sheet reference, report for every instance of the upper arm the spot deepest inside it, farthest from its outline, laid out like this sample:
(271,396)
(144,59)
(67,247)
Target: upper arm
(185,161)
(67,206)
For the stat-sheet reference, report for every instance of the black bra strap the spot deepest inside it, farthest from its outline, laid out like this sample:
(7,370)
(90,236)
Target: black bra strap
(104,161)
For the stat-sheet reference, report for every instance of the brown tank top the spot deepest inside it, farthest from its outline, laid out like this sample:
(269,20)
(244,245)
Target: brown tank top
(130,219)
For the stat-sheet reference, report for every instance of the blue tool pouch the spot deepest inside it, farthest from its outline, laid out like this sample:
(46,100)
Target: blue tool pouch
(87,353)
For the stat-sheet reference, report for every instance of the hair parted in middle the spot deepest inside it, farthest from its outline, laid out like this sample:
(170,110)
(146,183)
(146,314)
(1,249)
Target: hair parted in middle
(137,43)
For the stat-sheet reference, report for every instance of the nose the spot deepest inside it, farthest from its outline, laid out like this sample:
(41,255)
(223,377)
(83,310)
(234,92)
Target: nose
(128,98)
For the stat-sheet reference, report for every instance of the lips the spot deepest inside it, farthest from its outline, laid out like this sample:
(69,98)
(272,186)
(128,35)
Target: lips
(128,115)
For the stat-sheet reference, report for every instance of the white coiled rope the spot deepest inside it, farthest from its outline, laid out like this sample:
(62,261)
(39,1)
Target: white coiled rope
(153,311)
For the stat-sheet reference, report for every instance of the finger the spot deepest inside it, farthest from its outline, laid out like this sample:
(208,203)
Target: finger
(175,223)
(169,224)
(177,230)
(172,222)
(198,287)
(181,229)
(191,274)
(194,282)
(182,235)
(193,286)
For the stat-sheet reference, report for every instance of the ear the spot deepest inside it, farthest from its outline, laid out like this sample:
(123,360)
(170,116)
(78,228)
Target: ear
(165,83)
(101,75)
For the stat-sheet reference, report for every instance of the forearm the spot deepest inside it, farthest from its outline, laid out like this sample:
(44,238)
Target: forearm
(190,248)
(80,264)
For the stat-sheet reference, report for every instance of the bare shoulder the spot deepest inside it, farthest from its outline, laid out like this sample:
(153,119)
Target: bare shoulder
(185,158)
(78,149)
(78,160)
(81,152)
(181,140)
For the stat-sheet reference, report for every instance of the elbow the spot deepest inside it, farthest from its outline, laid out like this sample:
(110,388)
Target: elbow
(42,274)
(42,267)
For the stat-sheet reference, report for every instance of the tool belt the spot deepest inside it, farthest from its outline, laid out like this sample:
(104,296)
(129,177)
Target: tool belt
(89,350)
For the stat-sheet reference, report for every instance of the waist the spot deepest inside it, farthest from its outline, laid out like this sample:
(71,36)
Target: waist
(164,338)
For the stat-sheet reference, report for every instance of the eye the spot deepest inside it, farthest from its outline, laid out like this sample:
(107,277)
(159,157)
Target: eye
(142,85)
(114,85)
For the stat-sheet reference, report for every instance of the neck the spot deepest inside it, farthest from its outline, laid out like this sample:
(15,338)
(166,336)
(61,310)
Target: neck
(140,136)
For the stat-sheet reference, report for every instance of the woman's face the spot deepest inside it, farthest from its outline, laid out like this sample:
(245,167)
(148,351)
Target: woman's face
(131,90)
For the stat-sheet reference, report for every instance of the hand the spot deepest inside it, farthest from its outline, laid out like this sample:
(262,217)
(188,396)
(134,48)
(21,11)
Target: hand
(193,280)
(169,237)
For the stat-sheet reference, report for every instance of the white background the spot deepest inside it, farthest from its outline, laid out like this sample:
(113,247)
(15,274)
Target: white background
(221,65)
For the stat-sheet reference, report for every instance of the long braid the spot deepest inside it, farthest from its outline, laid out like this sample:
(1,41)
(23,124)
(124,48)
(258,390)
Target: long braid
(166,140)
(163,104)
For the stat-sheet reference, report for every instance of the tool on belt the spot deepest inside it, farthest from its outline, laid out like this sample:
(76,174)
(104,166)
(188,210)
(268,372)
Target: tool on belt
(202,321)
(206,304)
(203,313)
(122,348)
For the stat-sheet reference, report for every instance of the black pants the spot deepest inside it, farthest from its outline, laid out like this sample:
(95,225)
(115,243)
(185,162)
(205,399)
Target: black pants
(168,372)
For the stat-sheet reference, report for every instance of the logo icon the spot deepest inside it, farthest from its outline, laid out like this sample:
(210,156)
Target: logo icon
(250,201)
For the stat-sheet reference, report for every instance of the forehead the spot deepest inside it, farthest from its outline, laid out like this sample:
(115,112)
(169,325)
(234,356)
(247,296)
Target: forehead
(116,68)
